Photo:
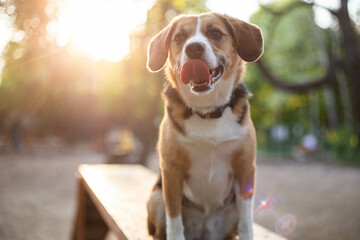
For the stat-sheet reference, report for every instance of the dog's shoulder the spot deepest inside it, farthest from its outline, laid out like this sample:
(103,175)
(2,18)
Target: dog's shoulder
(175,108)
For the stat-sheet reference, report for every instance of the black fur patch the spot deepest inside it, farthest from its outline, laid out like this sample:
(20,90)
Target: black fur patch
(188,113)
(245,109)
(239,93)
(173,120)
(173,95)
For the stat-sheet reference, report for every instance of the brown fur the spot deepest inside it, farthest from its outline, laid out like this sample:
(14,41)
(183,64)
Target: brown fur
(156,214)
(243,162)
(174,164)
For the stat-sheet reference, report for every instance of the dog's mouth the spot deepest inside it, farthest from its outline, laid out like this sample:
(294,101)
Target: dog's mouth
(215,75)
(199,76)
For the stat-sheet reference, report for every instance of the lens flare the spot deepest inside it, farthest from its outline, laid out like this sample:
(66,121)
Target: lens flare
(286,224)
(249,193)
(266,206)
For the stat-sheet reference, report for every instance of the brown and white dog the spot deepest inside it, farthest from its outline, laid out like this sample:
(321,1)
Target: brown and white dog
(207,142)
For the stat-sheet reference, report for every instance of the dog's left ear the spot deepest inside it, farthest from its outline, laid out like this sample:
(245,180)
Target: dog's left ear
(158,50)
(248,38)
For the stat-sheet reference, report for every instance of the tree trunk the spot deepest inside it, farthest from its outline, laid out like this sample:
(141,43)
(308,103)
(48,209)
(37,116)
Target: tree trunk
(351,63)
(330,107)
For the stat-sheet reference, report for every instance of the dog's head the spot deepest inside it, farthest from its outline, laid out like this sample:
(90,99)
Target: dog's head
(221,42)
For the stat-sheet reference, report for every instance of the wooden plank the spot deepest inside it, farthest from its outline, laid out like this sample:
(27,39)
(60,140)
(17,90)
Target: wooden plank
(89,223)
(261,233)
(120,193)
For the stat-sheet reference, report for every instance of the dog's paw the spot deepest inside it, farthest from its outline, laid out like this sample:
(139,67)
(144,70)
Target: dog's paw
(245,230)
(246,236)
(174,228)
(176,237)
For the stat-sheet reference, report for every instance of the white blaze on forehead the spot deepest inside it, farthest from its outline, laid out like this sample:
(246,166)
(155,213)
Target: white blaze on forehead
(209,57)
(198,31)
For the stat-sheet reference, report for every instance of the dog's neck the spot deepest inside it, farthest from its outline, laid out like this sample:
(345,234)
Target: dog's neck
(172,95)
(239,92)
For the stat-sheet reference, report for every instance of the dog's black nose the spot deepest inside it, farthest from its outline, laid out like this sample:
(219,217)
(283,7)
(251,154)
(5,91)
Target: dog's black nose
(195,50)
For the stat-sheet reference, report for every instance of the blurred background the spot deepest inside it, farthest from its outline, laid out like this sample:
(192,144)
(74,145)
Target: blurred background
(74,88)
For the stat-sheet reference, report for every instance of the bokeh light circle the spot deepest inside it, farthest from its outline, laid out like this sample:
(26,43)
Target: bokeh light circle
(285,224)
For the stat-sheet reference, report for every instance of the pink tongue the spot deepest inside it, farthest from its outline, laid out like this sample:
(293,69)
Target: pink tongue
(196,71)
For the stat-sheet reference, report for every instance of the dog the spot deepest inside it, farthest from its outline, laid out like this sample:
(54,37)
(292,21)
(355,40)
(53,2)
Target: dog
(207,142)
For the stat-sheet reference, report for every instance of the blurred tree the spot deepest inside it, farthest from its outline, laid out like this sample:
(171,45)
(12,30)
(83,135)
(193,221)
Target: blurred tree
(338,50)
(69,94)
(18,92)
(143,108)
(44,81)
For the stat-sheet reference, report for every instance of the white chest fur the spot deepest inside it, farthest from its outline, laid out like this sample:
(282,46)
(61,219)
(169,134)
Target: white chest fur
(210,143)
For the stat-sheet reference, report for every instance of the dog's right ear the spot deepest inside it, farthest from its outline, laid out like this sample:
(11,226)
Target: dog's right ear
(158,50)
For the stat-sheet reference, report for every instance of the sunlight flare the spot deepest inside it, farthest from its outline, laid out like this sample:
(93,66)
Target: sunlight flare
(97,27)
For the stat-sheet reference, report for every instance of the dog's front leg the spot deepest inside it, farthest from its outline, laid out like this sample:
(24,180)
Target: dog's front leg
(244,171)
(172,191)
(245,210)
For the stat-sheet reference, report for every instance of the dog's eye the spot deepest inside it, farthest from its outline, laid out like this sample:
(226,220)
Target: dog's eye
(180,38)
(214,34)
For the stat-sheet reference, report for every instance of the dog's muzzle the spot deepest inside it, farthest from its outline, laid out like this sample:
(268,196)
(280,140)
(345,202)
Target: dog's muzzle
(194,51)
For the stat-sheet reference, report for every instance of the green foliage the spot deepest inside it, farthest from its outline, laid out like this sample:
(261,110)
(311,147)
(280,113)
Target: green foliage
(296,50)
(290,53)
(344,144)
(293,43)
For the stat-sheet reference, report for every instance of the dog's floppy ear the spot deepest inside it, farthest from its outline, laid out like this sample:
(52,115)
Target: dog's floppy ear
(158,50)
(248,38)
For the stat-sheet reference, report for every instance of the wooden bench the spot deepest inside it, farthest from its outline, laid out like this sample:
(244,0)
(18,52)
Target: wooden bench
(113,197)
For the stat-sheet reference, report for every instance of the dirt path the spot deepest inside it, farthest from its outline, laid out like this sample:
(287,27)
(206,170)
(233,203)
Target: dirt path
(37,196)
(324,199)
